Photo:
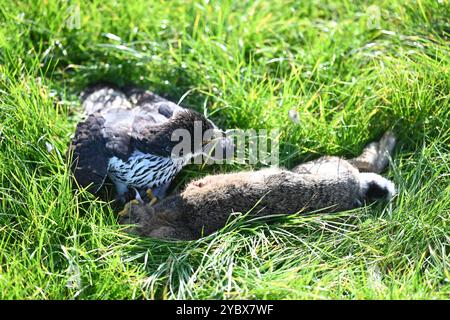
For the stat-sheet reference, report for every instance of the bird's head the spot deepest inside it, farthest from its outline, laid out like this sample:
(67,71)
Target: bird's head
(195,135)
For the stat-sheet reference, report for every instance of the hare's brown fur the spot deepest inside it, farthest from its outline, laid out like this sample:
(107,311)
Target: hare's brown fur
(205,205)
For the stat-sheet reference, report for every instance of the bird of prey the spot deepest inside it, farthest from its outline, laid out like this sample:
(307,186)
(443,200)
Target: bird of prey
(126,136)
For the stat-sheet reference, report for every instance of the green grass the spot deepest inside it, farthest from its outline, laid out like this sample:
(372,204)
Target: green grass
(351,74)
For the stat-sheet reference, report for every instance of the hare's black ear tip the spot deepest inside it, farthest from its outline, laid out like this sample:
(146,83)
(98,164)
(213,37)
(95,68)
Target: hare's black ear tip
(376,192)
(377,188)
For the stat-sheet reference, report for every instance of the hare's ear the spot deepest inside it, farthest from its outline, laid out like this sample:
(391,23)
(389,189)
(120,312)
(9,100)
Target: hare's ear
(375,156)
(374,187)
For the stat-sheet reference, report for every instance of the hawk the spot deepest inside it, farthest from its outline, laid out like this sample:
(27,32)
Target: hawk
(127,137)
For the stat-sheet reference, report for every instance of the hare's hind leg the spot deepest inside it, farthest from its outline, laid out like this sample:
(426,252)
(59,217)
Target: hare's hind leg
(375,156)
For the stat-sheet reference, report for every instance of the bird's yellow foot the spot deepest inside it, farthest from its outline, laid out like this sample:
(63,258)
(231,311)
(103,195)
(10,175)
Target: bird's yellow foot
(126,209)
(151,196)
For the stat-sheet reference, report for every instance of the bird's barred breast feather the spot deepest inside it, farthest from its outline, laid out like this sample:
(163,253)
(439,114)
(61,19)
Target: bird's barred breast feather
(143,170)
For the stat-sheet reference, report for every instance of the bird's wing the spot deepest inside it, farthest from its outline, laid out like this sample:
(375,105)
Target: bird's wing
(150,103)
(89,155)
(118,113)
(151,113)
(103,98)
(117,130)
(105,132)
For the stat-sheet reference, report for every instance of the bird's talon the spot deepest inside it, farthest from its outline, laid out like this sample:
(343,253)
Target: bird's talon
(152,197)
(137,197)
(124,212)
(126,209)
(153,201)
(149,193)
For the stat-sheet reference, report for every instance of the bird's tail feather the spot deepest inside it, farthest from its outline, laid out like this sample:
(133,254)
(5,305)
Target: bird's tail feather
(102,96)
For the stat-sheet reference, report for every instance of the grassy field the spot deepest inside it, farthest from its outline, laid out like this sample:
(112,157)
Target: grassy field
(351,69)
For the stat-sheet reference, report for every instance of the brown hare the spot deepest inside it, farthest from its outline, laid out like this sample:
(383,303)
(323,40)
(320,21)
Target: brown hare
(205,205)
